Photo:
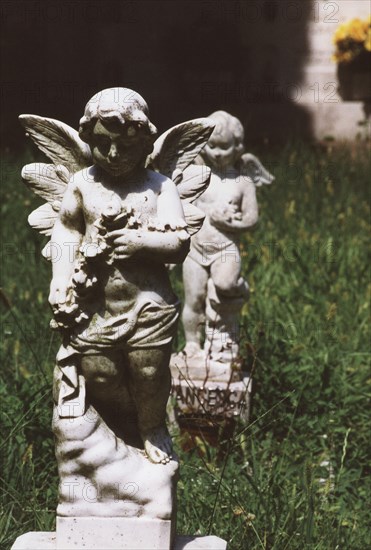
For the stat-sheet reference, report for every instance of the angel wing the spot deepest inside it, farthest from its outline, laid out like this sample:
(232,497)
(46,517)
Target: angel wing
(58,141)
(173,154)
(251,166)
(69,154)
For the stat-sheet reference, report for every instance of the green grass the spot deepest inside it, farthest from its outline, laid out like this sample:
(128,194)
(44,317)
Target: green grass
(297,476)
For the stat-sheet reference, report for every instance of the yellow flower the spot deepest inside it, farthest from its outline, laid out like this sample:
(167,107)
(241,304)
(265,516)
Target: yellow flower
(357,32)
(351,38)
(340,33)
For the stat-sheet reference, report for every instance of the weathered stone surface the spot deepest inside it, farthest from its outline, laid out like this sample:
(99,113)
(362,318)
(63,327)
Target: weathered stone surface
(211,388)
(36,540)
(47,541)
(117,533)
(115,217)
(101,476)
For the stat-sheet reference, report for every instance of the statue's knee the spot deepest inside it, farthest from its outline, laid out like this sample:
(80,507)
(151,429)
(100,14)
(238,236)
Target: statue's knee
(225,287)
(101,373)
(148,373)
(103,381)
(232,288)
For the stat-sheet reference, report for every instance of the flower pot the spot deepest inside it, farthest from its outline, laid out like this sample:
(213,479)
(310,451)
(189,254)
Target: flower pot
(355,78)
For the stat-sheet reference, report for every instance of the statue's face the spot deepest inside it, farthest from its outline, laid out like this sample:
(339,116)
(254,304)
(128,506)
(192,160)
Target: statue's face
(219,152)
(118,150)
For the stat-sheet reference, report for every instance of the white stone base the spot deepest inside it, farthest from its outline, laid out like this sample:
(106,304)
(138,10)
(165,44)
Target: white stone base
(203,386)
(36,540)
(199,543)
(115,533)
(48,541)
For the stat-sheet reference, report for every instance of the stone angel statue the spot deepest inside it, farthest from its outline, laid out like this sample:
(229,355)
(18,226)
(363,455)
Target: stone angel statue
(214,288)
(119,206)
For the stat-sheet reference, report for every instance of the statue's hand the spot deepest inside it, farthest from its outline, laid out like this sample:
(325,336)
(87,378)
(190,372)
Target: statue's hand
(226,213)
(237,216)
(227,218)
(219,215)
(125,242)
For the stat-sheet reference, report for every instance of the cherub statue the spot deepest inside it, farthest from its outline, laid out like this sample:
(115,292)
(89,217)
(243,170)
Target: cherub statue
(119,208)
(214,288)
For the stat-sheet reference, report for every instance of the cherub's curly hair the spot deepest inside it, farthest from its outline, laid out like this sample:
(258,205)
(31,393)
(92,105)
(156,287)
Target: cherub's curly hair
(120,105)
(228,123)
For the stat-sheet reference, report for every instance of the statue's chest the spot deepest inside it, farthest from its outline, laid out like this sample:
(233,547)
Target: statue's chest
(143,203)
(222,191)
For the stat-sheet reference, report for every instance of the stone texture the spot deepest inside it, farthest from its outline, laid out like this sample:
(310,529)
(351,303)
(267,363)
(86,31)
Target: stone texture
(113,533)
(100,475)
(36,540)
(199,543)
(214,399)
(214,390)
(47,541)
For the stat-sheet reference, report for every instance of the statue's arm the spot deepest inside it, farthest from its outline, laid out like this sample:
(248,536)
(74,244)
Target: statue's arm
(66,238)
(170,213)
(235,222)
(249,206)
(168,242)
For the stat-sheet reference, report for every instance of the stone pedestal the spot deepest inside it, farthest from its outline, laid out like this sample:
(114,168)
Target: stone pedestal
(113,533)
(48,541)
(209,397)
(205,387)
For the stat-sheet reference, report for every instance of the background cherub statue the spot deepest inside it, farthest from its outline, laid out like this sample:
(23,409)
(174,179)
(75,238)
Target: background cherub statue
(214,288)
(119,207)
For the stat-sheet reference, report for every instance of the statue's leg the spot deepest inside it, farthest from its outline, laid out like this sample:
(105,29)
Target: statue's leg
(227,291)
(150,386)
(108,391)
(226,275)
(195,279)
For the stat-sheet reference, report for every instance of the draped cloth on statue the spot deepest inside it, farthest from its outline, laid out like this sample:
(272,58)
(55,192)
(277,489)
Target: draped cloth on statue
(147,325)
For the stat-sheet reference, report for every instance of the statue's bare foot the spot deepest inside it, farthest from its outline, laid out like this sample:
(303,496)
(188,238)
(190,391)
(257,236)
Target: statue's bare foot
(158,445)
